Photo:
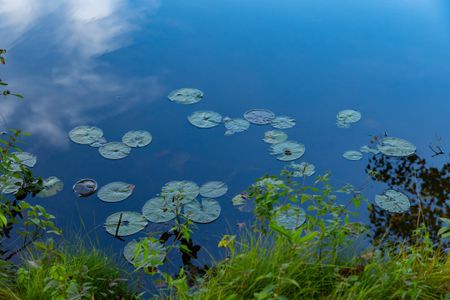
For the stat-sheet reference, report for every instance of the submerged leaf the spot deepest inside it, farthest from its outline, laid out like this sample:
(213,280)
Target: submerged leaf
(352,155)
(137,138)
(288,151)
(235,125)
(114,150)
(205,119)
(159,210)
(50,187)
(186,96)
(206,211)
(290,218)
(283,122)
(259,116)
(85,134)
(125,223)
(85,187)
(213,189)
(392,146)
(115,191)
(98,143)
(180,191)
(275,137)
(393,201)
(303,169)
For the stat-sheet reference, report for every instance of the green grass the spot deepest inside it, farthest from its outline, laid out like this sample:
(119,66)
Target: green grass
(272,268)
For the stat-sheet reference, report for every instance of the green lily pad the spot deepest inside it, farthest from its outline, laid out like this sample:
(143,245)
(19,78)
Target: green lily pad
(125,223)
(159,210)
(239,199)
(275,137)
(302,169)
(205,119)
(180,191)
(114,150)
(115,191)
(85,187)
(98,143)
(213,189)
(259,116)
(50,187)
(288,151)
(283,122)
(290,218)
(24,158)
(85,135)
(352,155)
(186,96)
(393,201)
(235,125)
(206,211)
(156,254)
(392,146)
(9,184)
(137,138)
(346,117)
(367,149)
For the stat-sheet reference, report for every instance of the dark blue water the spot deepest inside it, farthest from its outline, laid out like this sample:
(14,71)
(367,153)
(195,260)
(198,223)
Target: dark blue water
(111,64)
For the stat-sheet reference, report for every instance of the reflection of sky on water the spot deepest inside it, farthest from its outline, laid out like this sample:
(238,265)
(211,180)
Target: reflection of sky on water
(111,64)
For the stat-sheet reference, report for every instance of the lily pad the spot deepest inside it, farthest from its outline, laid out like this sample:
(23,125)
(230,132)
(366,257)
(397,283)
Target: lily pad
(50,187)
(114,150)
(137,138)
(288,151)
(346,117)
(85,187)
(259,116)
(98,143)
(206,211)
(156,254)
(24,158)
(213,189)
(392,146)
(235,125)
(159,210)
(180,191)
(115,191)
(85,135)
(205,119)
(283,122)
(367,149)
(302,169)
(352,155)
(239,199)
(9,184)
(125,223)
(186,96)
(275,137)
(290,218)
(393,201)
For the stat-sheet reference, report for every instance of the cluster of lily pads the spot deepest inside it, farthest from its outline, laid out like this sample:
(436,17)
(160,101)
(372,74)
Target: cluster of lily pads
(93,136)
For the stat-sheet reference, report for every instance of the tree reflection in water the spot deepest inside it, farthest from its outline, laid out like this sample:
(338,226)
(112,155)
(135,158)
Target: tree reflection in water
(428,189)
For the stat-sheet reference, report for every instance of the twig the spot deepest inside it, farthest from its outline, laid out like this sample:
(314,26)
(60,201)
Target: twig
(437,151)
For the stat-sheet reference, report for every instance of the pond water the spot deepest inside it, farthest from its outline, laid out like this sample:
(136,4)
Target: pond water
(112,64)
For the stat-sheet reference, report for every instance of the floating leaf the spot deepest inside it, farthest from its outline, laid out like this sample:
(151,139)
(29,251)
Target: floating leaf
(137,138)
(259,116)
(186,96)
(23,158)
(180,191)
(98,143)
(235,125)
(205,211)
(9,184)
(352,155)
(302,169)
(275,137)
(159,210)
(156,254)
(393,201)
(85,187)
(115,191)
(213,189)
(239,199)
(85,134)
(288,151)
(205,119)
(346,117)
(283,122)
(367,149)
(392,146)
(125,223)
(50,187)
(290,218)
(114,150)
